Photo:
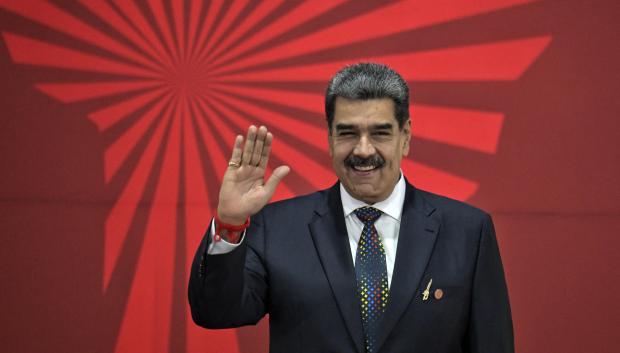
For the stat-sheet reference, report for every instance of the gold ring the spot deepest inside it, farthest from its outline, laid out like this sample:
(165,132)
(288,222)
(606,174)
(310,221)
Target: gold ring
(234,164)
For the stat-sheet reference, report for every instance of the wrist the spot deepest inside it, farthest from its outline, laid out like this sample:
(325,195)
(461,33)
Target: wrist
(229,232)
(232,221)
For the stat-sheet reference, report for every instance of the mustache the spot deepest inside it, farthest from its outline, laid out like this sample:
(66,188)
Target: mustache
(373,161)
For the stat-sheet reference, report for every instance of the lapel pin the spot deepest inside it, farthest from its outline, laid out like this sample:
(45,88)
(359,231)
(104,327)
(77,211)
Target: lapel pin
(427,291)
(438,293)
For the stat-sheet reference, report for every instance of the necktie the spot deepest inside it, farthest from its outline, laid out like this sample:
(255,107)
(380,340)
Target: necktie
(371,273)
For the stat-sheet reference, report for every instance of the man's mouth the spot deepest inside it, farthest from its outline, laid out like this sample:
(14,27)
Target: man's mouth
(366,168)
(364,165)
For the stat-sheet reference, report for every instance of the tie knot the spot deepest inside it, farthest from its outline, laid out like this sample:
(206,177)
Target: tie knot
(367,214)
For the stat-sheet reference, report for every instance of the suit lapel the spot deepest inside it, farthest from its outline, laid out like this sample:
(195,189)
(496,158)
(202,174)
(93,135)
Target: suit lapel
(418,230)
(329,234)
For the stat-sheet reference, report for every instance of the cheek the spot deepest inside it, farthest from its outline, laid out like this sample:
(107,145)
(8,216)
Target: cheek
(339,153)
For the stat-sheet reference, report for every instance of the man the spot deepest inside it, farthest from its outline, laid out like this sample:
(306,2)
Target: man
(371,264)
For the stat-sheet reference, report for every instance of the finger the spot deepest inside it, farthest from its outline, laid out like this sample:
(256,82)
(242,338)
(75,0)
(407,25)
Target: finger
(275,179)
(264,158)
(249,146)
(236,153)
(258,146)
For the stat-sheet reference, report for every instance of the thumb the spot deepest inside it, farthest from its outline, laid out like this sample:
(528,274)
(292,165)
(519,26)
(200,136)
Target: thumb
(275,178)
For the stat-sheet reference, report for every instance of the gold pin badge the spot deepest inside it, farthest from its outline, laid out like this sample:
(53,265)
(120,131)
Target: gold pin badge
(427,291)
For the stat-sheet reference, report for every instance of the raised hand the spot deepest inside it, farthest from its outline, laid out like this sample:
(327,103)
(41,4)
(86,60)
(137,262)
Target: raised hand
(244,191)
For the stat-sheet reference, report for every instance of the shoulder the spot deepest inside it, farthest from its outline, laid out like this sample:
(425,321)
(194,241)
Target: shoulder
(451,210)
(295,209)
(461,224)
(309,201)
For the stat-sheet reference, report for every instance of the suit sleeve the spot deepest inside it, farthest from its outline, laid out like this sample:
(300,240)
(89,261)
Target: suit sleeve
(490,326)
(230,290)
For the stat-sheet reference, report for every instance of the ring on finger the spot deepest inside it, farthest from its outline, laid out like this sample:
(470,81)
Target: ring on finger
(234,164)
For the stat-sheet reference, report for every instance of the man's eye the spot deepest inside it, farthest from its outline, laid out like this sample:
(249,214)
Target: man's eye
(381,133)
(346,133)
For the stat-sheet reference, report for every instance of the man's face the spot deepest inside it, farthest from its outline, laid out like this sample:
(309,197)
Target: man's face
(366,146)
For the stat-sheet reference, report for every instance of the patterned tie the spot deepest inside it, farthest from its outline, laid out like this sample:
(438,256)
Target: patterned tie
(371,273)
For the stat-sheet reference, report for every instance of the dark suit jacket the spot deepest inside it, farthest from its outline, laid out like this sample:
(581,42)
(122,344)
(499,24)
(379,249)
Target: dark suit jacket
(295,264)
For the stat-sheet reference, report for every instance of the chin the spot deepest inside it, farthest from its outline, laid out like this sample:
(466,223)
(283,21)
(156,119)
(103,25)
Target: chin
(367,196)
(367,191)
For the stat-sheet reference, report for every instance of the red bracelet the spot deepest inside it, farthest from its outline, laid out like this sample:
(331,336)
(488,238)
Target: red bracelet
(231,227)
(231,233)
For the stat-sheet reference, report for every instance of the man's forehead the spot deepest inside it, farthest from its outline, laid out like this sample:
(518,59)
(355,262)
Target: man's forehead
(349,110)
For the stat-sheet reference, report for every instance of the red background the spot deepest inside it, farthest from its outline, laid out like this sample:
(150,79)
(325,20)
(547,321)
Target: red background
(547,170)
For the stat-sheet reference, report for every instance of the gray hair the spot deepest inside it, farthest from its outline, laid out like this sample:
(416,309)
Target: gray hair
(368,81)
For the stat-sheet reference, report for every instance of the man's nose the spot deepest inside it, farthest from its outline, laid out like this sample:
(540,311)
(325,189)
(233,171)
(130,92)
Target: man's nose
(364,147)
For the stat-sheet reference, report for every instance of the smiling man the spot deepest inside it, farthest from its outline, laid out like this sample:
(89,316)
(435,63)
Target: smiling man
(366,145)
(372,264)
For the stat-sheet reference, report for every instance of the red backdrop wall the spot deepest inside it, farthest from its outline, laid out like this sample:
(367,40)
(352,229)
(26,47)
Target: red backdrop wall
(117,119)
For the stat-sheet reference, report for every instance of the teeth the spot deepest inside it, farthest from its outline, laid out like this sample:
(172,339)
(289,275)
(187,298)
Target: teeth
(364,169)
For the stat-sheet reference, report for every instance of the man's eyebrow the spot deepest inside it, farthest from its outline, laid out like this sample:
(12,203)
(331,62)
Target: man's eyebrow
(342,126)
(385,126)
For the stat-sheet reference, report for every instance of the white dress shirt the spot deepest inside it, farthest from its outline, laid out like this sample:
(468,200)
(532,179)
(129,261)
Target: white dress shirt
(388,225)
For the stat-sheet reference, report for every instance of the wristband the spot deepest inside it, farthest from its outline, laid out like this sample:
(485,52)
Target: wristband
(231,227)
(231,233)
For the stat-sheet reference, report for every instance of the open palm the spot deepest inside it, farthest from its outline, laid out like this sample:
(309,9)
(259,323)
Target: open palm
(244,190)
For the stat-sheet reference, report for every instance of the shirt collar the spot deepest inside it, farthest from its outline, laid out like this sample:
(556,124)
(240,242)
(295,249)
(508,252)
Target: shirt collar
(392,206)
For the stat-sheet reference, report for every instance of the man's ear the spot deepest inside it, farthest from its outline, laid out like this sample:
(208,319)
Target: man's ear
(407,135)
(330,142)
